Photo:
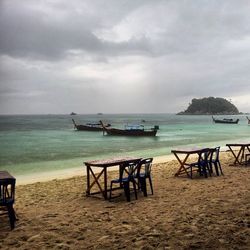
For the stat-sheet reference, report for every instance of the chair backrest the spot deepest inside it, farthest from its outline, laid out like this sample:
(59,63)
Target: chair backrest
(214,154)
(203,157)
(7,191)
(145,166)
(128,170)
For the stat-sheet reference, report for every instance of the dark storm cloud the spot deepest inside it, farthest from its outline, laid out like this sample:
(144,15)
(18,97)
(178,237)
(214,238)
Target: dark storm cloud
(31,32)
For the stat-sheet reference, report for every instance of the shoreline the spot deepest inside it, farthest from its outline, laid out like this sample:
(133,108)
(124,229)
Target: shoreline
(78,171)
(71,172)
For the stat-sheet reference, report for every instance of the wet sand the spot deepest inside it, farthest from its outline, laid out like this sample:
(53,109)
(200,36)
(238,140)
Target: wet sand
(212,213)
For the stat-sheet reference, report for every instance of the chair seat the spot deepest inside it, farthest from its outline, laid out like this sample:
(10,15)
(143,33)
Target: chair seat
(142,175)
(120,180)
(213,161)
(6,202)
(201,163)
(126,175)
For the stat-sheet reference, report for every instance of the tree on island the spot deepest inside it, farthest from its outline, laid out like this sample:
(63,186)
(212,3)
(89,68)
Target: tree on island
(210,106)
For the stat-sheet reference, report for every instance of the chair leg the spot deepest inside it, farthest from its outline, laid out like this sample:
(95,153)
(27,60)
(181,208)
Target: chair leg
(204,171)
(220,168)
(126,190)
(247,159)
(209,170)
(143,186)
(216,168)
(110,191)
(138,183)
(200,170)
(210,165)
(134,186)
(12,216)
(151,184)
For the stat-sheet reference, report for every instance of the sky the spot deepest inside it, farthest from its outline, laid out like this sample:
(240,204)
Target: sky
(122,56)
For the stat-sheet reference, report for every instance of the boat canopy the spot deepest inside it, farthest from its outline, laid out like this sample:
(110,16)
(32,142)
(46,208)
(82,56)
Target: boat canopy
(93,124)
(134,127)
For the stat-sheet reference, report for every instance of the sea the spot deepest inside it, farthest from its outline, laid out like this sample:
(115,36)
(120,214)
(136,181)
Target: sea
(39,144)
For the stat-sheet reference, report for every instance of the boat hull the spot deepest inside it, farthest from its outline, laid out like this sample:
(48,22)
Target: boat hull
(88,128)
(227,122)
(132,132)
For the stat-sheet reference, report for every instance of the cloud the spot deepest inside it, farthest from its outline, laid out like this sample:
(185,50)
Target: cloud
(45,32)
(124,56)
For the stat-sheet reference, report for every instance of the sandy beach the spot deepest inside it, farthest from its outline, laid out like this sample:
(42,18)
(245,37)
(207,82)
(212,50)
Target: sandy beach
(212,213)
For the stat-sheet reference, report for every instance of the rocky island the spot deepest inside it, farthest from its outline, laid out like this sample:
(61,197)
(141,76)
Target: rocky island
(210,106)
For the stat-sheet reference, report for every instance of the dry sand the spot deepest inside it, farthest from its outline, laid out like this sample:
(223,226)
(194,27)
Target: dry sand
(212,213)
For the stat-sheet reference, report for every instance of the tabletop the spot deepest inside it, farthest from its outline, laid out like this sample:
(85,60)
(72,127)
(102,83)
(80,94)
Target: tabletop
(238,144)
(188,150)
(5,175)
(111,162)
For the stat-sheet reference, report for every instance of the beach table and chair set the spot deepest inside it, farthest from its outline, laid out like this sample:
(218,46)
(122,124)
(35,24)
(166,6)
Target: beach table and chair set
(131,170)
(205,161)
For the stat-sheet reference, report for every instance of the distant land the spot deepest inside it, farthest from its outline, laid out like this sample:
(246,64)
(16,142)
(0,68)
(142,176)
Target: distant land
(210,106)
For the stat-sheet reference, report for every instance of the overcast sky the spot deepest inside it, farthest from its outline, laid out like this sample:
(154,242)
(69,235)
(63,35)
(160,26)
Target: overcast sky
(122,56)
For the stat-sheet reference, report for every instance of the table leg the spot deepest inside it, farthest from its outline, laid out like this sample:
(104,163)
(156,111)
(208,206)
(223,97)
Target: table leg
(236,157)
(95,181)
(242,154)
(182,167)
(105,194)
(88,182)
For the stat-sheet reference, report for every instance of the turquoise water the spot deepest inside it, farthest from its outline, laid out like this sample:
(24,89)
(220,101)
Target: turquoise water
(40,143)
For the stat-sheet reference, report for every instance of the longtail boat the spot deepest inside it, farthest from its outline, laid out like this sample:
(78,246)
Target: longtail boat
(226,120)
(89,126)
(130,130)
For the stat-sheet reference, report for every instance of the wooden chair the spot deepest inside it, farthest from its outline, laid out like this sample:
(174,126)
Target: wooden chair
(144,173)
(126,175)
(7,199)
(201,166)
(214,160)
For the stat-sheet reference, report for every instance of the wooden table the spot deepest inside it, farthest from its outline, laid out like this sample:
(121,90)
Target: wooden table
(184,164)
(242,148)
(104,165)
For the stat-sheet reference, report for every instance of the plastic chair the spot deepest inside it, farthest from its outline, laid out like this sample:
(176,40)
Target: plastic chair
(201,165)
(126,175)
(144,173)
(214,160)
(7,199)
